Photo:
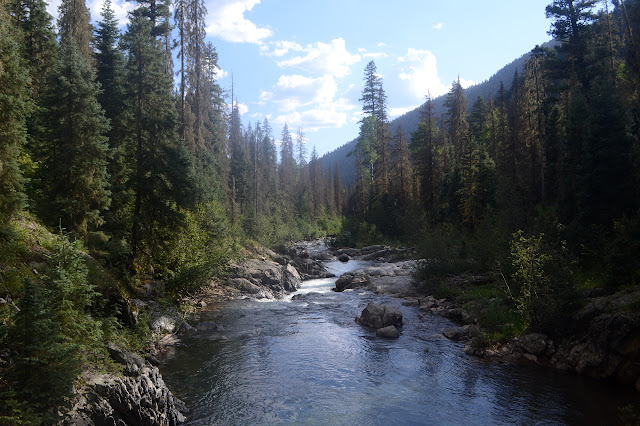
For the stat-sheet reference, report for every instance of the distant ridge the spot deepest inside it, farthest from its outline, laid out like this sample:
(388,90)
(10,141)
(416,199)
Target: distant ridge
(409,121)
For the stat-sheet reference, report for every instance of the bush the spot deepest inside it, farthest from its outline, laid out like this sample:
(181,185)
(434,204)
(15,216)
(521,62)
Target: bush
(546,294)
(200,252)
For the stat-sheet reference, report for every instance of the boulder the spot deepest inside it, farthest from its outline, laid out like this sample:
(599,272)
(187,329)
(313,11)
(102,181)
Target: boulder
(380,316)
(455,333)
(389,332)
(291,279)
(351,280)
(534,343)
(244,285)
(139,398)
(344,258)
(323,256)
(472,330)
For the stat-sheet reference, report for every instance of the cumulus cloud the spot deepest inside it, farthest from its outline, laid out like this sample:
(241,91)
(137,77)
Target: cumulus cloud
(314,119)
(375,55)
(419,69)
(296,91)
(324,58)
(226,20)
(220,73)
(466,83)
(280,48)
(397,112)
(311,103)
(438,26)
(121,8)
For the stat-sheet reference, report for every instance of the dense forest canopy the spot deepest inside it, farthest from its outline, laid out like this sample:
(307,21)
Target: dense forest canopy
(145,169)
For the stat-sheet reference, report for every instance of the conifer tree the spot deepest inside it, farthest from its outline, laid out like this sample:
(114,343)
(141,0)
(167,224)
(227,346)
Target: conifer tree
(337,191)
(73,173)
(423,143)
(110,73)
(74,24)
(14,108)
(402,175)
(287,162)
(38,47)
(163,180)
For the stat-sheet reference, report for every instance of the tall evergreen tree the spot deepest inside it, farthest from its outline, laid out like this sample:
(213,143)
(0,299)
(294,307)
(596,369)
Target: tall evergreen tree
(163,180)
(110,73)
(287,162)
(423,143)
(74,24)
(14,108)
(38,47)
(73,173)
(402,175)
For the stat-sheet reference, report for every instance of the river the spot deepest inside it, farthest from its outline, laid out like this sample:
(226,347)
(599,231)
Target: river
(304,360)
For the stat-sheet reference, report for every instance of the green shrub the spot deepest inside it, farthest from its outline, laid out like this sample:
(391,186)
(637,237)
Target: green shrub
(546,294)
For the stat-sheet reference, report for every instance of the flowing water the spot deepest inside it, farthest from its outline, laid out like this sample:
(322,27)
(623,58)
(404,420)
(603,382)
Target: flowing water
(304,360)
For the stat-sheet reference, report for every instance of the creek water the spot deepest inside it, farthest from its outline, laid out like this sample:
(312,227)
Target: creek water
(304,360)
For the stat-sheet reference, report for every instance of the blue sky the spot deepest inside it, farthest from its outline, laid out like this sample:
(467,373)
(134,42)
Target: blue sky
(302,61)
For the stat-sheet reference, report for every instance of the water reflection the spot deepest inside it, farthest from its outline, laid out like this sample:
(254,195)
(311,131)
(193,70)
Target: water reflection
(306,361)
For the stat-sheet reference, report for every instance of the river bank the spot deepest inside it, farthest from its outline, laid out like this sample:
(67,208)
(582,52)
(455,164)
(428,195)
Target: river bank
(303,358)
(280,281)
(602,340)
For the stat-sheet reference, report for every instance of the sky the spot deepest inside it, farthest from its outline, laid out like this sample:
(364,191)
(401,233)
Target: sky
(302,61)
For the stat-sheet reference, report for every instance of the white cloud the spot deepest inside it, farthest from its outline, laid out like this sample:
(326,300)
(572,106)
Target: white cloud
(226,20)
(419,69)
(296,91)
(375,55)
(280,48)
(324,58)
(220,73)
(438,26)
(466,83)
(121,8)
(397,112)
(382,44)
(314,119)
(242,108)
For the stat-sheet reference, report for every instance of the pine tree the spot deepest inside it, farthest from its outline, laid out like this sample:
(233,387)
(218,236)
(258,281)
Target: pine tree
(402,176)
(287,162)
(45,365)
(163,180)
(110,73)
(74,25)
(337,183)
(73,173)
(315,172)
(456,119)
(38,47)
(14,109)
(423,145)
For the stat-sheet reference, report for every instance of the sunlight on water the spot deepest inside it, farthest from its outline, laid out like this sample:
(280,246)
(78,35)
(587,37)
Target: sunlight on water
(305,360)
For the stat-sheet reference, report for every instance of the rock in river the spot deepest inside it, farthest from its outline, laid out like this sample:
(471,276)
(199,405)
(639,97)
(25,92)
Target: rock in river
(380,316)
(389,332)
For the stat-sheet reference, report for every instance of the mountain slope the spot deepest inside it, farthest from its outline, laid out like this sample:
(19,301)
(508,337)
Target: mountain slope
(409,121)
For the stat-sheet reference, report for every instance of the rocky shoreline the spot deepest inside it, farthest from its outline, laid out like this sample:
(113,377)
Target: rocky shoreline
(604,342)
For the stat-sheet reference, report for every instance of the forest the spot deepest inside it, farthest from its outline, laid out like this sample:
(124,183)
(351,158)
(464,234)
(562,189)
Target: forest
(122,161)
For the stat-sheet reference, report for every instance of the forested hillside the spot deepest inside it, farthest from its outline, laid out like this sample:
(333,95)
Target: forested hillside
(537,182)
(410,120)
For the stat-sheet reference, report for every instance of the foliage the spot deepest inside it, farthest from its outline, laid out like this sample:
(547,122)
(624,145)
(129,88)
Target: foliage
(546,294)
(14,108)
(201,252)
